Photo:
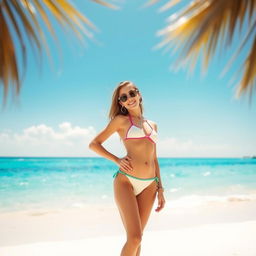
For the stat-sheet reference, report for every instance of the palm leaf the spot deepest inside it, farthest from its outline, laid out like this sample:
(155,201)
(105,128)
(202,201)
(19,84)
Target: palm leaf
(202,25)
(20,19)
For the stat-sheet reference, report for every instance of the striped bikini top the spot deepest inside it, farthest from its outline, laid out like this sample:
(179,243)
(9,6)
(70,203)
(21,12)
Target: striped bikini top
(135,132)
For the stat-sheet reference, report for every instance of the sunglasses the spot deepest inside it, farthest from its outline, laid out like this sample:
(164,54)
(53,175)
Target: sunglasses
(132,93)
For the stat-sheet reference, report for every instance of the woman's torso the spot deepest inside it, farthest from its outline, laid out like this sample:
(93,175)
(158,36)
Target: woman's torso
(141,150)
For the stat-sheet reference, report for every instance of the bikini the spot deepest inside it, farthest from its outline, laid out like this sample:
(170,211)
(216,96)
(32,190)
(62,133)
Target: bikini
(135,132)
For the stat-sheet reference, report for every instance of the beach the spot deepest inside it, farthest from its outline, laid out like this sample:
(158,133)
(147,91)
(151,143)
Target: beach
(218,229)
(156,90)
(66,207)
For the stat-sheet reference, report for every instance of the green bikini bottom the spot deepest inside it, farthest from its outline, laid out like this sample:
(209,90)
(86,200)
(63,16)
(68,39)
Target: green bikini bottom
(115,174)
(138,184)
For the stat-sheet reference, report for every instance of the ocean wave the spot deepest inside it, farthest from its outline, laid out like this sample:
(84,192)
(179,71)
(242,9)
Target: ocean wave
(206,173)
(199,200)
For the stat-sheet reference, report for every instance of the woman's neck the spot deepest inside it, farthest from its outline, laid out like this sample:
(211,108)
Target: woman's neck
(136,113)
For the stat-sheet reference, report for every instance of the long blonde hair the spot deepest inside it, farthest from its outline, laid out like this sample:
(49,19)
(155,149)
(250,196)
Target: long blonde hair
(115,108)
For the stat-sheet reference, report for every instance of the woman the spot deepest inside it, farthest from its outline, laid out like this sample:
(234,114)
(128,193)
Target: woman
(137,181)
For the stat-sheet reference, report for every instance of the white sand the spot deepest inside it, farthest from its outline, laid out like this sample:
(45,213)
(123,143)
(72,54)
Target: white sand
(230,239)
(219,229)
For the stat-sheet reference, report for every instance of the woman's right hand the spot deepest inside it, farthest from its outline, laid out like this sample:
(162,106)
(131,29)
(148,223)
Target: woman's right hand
(124,163)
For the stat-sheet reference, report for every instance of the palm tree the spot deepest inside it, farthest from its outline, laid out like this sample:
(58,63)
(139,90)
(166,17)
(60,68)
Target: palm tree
(20,20)
(202,25)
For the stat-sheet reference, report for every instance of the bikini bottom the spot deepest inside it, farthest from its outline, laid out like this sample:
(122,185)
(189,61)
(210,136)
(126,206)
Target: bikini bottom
(138,184)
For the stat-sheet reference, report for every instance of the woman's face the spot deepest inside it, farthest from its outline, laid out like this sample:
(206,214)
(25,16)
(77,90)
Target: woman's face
(131,102)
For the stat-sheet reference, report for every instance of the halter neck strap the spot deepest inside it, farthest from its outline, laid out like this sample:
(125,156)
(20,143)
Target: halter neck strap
(130,118)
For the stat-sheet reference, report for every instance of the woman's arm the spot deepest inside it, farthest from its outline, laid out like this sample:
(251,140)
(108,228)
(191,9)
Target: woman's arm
(95,144)
(160,190)
(157,165)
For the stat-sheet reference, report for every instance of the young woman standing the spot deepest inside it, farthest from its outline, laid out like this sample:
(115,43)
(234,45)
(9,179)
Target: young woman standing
(137,181)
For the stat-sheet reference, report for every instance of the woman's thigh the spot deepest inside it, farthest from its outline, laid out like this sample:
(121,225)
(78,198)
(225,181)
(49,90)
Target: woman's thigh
(127,205)
(145,201)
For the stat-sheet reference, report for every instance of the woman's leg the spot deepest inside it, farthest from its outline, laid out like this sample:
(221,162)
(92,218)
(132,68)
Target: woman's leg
(145,202)
(129,211)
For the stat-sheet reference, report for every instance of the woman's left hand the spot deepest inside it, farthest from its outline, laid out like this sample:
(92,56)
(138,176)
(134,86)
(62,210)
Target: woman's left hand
(161,201)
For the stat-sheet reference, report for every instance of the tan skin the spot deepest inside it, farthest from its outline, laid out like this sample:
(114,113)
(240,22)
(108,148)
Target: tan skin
(140,161)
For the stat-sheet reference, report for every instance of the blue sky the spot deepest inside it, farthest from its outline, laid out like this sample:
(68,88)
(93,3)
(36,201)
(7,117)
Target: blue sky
(64,105)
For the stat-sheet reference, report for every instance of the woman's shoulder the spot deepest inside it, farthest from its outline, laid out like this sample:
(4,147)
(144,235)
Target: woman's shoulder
(119,122)
(119,119)
(153,123)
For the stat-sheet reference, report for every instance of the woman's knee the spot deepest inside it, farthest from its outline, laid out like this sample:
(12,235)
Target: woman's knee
(135,238)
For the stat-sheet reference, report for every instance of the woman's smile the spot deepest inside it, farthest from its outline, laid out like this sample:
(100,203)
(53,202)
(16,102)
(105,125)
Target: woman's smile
(132,103)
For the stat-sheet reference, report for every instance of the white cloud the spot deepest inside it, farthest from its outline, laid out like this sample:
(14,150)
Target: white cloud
(69,140)
(173,147)
(43,140)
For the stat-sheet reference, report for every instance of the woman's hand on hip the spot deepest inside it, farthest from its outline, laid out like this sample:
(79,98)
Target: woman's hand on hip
(124,163)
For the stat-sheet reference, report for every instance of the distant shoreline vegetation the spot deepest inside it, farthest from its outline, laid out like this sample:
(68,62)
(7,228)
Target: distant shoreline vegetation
(252,157)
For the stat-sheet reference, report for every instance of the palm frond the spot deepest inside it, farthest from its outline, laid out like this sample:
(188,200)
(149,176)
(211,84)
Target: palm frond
(21,19)
(106,4)
(202,25)
(249,78)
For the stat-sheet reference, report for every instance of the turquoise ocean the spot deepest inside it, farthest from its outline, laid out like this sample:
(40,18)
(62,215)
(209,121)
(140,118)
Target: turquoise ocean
(62,182)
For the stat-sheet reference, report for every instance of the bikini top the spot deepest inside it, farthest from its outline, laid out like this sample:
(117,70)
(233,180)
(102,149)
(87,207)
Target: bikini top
(135,132)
